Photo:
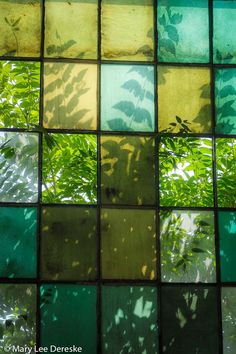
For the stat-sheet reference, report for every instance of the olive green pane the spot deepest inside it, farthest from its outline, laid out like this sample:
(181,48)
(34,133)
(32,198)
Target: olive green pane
(187,246)
(226,169)
(71,29)
(185,172)
(127,171)
(228,305)
(68,316)
(129,319)
(128,244)
(70,96)
(68,243)
(69,168)
(20,28)
(127,30)
(184,100)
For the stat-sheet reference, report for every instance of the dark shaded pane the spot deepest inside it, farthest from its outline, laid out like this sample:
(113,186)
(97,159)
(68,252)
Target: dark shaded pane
(186,172)
(229,319)
(227,229)
(187,246)
(128,244)
(128,174)
(69,168)
(68,316)
(189,320)
(226,167)
(183,31)
(68,243)
(129,319)
(18,167)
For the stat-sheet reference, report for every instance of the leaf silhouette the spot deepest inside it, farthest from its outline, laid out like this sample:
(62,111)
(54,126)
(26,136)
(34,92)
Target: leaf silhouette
(125,107)
(143,72)
(142,114)
(168,45)
(172,33)
(134,87)
(162,20)
(176,19)
(226,110)
(227,90)
(118,124)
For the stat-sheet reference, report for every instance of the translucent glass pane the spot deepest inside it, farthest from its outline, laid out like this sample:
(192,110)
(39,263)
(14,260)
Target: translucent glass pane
(189,320)
(186,172)
(70,96)
(69,168)
(184,100)
(129,319)
(229,319)
(127,29)
(187,246)
(183,31)
(127,99)
(71,29)
(20,28)
(18,167)
(128,174)
(68,316)
(68,243)
(128,244)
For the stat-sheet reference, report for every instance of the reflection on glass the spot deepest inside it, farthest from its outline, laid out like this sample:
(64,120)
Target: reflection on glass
(228,305)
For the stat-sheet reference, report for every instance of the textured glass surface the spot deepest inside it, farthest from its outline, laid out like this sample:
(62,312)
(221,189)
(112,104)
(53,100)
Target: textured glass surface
(229,319)
(187,246)
(68,316)
(70,96)
(20,28)
(185,172)
(18,167)
(183,31)
(68,243)
(184,100)
(127,29)
(128,170)
(71,29)
(129,316)
(189,320)
(127,98)
(128,244)
(227,230)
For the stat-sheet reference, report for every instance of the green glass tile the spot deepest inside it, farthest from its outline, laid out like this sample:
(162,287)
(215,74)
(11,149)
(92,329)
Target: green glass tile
(127,97)
(129,319)
(68,316)
(228,306)
(68,243)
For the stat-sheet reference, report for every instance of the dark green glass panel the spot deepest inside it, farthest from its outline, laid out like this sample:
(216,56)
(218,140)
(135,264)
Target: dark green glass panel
(127,172)
(183,31)
(128,244)
(129,319)
(189,320)
(69,168)
(187,246)
(228,306)
(186,172)
(68,316)
(226,167)
(18,228)
(68,243)
(227,229)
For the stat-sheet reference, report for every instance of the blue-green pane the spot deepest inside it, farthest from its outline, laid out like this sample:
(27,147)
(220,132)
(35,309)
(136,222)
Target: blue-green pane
(127,98)
(183,31)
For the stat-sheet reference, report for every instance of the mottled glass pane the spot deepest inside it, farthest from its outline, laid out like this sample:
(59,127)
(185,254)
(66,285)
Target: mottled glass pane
(18,167)
(225,168)
(68,316)
(127,29)
(227,230)
(128,174)
(187,246)
(129,319)
(70,96)
(225,94)
(20,28)
(186,172)
(71,29)
(69,168)
(128,244)
(68,243)
(127,98)
(184,100)
(229,319)
(189,320)
(183,31)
